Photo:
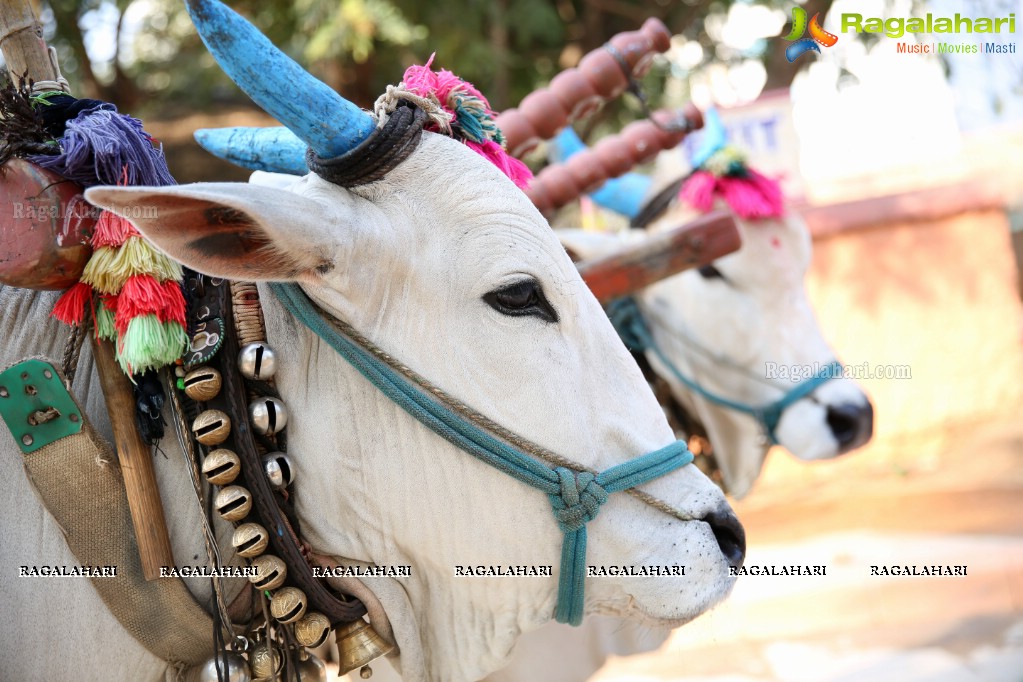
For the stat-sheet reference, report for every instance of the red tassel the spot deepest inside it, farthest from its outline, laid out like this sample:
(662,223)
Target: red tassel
(70,307)
(109,302)
(111,230)
(143,295)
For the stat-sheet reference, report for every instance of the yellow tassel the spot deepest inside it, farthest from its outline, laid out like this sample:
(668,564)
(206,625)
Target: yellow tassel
(109,268)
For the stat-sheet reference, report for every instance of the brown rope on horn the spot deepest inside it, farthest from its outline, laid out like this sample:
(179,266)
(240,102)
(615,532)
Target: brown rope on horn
(378,154)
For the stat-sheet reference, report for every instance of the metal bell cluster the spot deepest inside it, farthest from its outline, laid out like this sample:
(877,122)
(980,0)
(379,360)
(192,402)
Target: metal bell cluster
(221,467)
(212,427)
(358,642)
(265,660)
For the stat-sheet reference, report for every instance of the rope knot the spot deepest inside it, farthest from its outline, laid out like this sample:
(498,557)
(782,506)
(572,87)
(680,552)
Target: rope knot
(578,500)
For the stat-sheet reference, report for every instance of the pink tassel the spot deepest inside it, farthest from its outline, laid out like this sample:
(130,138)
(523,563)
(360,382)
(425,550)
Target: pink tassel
(70,307)
(698,191)
(444,86)
(507,164)
(753,197)
(423,81)
(143,295)
(112,230)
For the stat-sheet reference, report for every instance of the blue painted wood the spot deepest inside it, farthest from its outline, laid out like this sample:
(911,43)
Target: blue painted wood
(275,150)
(623,195)
(327,122)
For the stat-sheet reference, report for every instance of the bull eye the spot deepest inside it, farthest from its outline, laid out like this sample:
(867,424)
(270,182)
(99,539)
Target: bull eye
(710,272)
(524,297)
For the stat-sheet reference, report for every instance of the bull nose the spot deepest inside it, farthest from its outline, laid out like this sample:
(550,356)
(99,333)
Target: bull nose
(851,424)
(729,533)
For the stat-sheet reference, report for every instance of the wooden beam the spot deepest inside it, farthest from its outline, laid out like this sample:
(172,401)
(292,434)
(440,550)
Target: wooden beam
(21,39)
(662,255)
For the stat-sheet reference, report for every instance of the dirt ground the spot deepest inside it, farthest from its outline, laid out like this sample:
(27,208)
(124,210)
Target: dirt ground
(961,505)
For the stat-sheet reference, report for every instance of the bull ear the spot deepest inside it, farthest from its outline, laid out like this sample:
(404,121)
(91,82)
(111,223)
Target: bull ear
(231,230)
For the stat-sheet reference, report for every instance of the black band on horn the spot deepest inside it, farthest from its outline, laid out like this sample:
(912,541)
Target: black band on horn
(382,151)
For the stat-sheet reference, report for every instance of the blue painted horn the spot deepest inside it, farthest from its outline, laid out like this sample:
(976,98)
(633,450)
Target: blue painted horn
(623,195)
(327,122)
(714,138)
(275,150)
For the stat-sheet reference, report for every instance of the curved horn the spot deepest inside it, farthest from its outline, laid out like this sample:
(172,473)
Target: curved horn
(623,195)
(327,122)
(587,171)
(714,138)
(276,150)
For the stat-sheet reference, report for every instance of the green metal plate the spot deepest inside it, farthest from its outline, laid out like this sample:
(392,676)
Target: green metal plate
(36,406)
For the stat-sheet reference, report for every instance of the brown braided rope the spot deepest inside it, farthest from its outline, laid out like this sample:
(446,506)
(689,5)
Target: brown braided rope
(378,154)
(248,313)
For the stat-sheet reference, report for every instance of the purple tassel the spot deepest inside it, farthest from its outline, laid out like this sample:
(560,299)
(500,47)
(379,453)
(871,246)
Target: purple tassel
(103,147)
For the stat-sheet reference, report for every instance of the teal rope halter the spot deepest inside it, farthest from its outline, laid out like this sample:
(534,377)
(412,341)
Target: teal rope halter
(575,496)
(628,320)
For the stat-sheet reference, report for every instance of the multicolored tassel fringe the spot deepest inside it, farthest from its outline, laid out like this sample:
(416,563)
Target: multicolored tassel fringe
(132,291)
(725,174)
(472,118)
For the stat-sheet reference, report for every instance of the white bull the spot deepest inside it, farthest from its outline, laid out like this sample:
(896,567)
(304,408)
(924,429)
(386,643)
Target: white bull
(748,310)
(726,326)
(445,264)
(742,330)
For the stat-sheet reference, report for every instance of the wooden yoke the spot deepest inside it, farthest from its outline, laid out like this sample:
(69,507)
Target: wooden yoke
(577,92)
(661,255)
(21,39)
(26,54)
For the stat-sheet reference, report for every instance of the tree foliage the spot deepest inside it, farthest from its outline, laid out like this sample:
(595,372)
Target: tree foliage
(144,54)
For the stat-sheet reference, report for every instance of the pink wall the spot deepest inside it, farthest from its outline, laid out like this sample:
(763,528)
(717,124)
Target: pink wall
(929,280)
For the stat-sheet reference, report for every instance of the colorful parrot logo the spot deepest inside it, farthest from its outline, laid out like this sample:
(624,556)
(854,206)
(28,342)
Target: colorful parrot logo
(817,35)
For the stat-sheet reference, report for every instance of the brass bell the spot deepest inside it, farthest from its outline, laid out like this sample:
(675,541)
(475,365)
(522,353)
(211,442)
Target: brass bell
(312,629)
(203,384)
(233,502)
(288,604)
(249,540)
(211,427)
(270,572)
(310,668)
(257,361)
(237,669)
(357,645)
(278,470)
(268,415)
(221,466)
(265,661)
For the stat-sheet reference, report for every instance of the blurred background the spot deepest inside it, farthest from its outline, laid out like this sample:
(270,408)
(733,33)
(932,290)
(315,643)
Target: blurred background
(909,171)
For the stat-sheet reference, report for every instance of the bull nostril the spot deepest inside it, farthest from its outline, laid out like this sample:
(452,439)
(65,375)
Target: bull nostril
(851,424)
(730,535)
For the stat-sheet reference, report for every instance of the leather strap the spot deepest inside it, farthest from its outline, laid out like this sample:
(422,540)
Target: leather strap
(211,298)
(79,482)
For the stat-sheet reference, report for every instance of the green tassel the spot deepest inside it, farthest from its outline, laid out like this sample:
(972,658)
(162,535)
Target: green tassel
(105,322)
(150,344)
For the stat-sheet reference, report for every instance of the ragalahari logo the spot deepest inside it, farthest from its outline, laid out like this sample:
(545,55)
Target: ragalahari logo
(817,35)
